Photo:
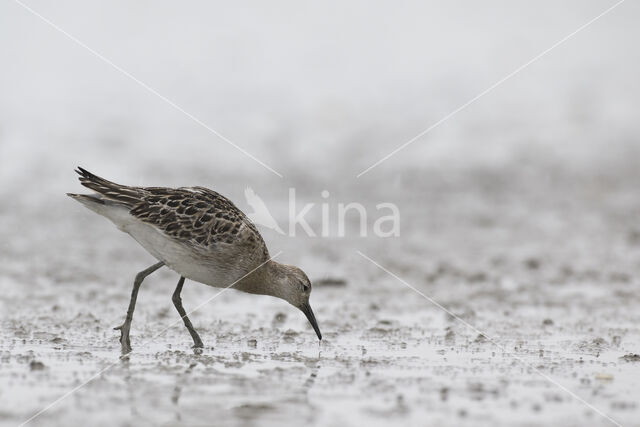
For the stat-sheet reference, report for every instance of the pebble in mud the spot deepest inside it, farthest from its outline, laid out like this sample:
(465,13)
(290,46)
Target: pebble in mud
(631,357)
(450,336)
(279,319)
(480,339)
(633,237)
(532,263)
(477,277)
(289,336)
(36,365)
(330,281)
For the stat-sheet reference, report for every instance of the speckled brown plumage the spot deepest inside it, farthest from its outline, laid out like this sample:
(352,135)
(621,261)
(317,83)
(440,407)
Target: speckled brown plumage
(196,216)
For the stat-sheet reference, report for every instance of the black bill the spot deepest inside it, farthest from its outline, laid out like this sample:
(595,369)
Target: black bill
(306,309)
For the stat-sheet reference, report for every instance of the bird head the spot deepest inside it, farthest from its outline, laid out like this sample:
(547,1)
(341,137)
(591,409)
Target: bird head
(293,286)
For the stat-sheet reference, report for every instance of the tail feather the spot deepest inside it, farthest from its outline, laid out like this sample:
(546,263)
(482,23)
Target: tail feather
(86,198)
(117,212)
(129,196)
(95,202)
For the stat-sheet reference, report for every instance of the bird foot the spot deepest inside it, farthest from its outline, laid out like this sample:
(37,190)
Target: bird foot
(125,341)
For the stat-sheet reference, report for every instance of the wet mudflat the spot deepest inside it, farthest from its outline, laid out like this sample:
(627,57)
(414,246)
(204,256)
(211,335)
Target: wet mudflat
(542,291)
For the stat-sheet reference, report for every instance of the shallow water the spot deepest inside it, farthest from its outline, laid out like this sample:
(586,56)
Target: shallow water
(541,292)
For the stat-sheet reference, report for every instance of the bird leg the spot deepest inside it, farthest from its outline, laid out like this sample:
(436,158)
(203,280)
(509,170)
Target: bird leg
(126,326)
(177,301)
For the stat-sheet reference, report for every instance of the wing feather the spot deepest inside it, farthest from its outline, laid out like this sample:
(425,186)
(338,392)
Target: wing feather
(198,216)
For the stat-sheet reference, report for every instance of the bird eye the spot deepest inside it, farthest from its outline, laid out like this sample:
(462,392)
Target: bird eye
(304,286)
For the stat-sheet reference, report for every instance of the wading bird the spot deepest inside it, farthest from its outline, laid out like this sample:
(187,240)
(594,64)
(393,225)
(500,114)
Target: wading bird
(199,234)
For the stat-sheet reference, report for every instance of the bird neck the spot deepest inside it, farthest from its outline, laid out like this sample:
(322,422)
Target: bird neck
(265,280)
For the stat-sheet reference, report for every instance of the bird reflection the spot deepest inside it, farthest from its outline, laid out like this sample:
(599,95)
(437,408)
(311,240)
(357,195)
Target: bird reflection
(177,390)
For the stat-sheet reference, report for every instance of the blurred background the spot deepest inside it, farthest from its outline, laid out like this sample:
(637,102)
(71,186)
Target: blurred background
(519,212)
(321,91)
